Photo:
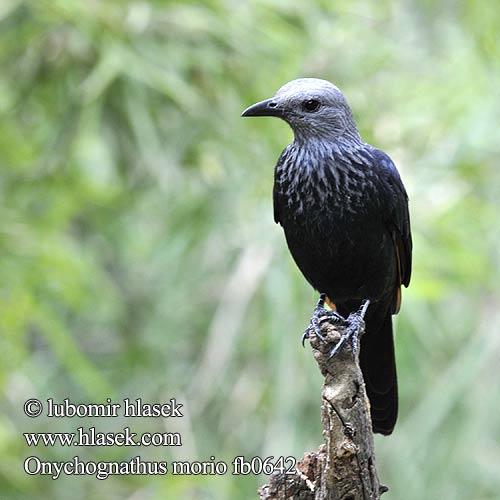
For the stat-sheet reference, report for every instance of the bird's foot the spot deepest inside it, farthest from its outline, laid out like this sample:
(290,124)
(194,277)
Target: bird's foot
(321,314)
(356,325)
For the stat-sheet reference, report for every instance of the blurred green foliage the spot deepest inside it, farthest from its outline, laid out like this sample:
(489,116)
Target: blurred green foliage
(139,257)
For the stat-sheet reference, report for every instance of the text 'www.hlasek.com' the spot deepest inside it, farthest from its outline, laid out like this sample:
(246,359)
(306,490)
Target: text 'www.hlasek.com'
(125,437)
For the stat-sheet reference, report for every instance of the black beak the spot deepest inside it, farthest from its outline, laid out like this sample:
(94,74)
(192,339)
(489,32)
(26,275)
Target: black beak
(269,107)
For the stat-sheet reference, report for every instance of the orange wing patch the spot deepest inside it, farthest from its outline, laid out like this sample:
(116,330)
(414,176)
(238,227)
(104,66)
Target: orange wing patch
(399,296)
(331,305)
(397,301)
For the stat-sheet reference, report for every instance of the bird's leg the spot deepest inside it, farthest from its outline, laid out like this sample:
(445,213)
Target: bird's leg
(321,314)
(352,332)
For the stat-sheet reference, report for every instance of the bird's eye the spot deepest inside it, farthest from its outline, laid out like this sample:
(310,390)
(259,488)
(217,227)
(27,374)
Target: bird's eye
(311,105)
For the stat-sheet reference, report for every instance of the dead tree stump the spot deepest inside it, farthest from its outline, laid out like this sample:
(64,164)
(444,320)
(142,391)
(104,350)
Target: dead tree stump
(343,468)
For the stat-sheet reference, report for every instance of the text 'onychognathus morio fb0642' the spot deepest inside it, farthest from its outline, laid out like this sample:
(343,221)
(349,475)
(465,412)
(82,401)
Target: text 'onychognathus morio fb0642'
(344,211)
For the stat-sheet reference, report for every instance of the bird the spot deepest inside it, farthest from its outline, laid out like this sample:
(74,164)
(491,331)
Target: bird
(344,211)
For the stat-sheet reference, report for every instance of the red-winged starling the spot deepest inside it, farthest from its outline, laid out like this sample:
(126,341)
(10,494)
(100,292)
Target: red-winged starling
(344,211)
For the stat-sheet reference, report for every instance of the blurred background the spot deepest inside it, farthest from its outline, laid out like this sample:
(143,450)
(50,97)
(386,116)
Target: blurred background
(139,257)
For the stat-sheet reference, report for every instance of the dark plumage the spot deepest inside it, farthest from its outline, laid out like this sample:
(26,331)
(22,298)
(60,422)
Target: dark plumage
(344,211)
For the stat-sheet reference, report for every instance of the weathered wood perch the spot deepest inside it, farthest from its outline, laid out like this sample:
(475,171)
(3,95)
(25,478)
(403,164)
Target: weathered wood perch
(344,467)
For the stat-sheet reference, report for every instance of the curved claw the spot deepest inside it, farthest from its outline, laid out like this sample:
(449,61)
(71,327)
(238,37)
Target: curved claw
(305,336)
(353,331)
(350,333)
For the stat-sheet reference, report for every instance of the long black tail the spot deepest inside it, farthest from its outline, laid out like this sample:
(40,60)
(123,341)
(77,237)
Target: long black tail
(378,365)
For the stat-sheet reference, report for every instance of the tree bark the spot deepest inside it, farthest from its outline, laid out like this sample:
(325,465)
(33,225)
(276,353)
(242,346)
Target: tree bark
(343,468)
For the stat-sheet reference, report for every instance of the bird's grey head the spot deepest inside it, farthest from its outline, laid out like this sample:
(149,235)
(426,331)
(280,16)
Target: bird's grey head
(314,108)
